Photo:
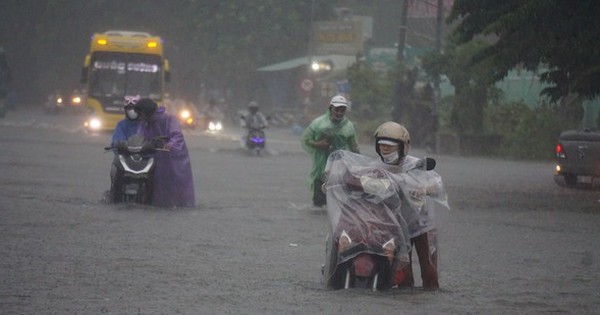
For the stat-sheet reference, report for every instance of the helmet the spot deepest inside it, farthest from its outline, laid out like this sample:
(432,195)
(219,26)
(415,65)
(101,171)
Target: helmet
(392,133)
(131,100)
(145,108)
(338,100)
(253,104)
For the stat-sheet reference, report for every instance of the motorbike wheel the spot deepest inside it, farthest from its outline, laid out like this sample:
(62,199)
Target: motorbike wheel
(144,194)
(130,198)
(333,274)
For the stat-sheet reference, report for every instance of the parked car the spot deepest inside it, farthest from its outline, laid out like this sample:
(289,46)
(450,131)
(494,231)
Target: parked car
(578,159)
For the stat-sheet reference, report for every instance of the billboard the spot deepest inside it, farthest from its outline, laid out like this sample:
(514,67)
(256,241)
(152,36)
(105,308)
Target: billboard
(337,37)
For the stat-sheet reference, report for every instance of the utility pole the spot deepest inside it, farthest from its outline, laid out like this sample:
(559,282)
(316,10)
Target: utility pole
(402,30)
(437,93)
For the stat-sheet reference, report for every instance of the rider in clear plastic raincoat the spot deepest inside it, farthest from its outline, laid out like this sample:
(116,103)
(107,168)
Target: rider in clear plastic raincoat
(386,207)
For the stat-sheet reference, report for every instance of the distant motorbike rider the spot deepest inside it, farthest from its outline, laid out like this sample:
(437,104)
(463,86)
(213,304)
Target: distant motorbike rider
(211,112)
(125,128)
(173,184)
(392,143)
(254,120)
(325,134)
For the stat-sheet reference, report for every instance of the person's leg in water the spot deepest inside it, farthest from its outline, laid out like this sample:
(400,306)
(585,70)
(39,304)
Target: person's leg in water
(404,277)
(427,259)
(319,197)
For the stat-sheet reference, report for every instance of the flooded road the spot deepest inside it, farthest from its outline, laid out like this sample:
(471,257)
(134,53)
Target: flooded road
(514,242)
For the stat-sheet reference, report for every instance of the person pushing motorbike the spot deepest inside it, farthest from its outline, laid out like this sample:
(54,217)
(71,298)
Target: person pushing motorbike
(173,182)
(327,133)
(392,143)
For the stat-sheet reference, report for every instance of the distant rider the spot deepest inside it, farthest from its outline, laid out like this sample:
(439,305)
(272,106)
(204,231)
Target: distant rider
(325,134)
(211,112)
(254,120)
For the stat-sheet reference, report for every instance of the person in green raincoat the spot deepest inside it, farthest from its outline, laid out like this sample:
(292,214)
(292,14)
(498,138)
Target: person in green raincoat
(325,134)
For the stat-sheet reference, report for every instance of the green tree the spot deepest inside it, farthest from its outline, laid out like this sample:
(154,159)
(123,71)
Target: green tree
(473,84)
(559,36)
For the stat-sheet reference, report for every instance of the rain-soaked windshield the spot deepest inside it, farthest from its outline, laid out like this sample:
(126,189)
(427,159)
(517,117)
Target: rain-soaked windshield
(119,74)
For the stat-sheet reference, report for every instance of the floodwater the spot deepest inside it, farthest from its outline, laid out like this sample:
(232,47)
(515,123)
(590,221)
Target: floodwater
(514,242)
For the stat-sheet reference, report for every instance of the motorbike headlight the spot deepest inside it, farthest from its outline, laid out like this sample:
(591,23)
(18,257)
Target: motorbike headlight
(185,114)
(215,126)
(59,100)
(344,242)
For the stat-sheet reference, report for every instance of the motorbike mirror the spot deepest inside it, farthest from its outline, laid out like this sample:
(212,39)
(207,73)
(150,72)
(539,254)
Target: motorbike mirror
(429,164)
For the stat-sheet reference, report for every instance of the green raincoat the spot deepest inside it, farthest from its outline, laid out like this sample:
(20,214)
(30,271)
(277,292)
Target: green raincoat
(342,136)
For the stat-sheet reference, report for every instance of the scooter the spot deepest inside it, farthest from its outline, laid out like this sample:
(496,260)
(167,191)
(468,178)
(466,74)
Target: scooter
(54,104)
(368,240)
(214,126)
(187,119)
(132,171)
(255,140)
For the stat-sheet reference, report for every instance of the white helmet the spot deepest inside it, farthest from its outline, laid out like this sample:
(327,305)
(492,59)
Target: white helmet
(392,133)
(338,101)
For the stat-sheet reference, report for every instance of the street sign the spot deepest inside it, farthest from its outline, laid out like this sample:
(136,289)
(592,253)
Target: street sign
(307,85)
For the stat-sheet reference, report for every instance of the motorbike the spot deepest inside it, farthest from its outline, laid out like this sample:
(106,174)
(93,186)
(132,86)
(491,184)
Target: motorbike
(214,126)
(134,164)
(54,104)
(76,102)
(255,140)
(186,118)
(368,242)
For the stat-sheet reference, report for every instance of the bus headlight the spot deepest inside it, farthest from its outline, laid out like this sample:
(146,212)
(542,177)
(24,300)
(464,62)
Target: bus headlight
(93,124)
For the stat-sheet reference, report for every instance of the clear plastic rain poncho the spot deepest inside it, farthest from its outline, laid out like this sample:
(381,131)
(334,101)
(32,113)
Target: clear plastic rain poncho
(374,203)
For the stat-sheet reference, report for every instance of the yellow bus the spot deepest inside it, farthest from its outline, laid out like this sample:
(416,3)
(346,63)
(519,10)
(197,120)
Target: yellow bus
(121,63)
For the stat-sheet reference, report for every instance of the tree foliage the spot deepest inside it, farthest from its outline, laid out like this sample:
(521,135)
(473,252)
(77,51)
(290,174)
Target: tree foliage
(558,36)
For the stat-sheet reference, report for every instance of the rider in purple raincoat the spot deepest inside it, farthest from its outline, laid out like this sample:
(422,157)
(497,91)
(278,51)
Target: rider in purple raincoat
(173,182)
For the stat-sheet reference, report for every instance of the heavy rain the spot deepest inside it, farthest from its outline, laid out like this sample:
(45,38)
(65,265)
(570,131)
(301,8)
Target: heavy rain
(497,95)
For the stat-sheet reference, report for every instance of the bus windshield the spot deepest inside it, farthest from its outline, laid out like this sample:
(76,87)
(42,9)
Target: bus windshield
(115,75)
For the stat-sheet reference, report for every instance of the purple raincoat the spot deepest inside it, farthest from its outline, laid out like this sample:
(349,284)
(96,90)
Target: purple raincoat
(173,181)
